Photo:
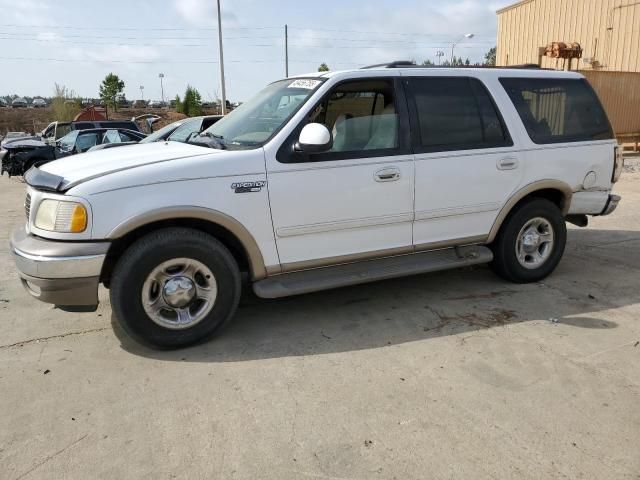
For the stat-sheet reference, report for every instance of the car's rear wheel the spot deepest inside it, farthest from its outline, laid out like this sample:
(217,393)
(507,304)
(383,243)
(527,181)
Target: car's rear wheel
(175,287)
(530,243)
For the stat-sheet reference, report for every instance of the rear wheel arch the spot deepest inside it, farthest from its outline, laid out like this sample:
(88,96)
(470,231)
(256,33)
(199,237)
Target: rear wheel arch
(230,232)
(556,191)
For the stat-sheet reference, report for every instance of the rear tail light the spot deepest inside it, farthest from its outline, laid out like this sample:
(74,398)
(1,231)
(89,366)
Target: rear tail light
(618,163)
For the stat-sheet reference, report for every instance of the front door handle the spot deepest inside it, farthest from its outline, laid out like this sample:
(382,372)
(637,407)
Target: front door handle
(389,174)
(507,163)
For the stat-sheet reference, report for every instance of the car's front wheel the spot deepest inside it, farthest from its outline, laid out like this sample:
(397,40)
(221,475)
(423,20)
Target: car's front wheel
(175,287)
(530,243)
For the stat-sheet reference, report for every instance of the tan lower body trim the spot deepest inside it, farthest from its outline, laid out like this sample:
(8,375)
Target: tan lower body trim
(458,242)
(373,255)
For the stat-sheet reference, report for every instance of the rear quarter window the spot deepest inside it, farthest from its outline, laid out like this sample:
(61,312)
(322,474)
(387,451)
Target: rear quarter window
(558,110)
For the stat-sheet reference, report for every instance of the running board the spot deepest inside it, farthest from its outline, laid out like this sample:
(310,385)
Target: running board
(298,283)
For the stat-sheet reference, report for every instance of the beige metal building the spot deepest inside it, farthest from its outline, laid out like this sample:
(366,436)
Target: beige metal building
(608,32)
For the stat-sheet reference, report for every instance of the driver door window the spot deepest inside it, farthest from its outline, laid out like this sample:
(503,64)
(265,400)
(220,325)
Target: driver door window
(363,118)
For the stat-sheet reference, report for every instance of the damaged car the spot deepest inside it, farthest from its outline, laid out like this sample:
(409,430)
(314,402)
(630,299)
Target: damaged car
(21,155)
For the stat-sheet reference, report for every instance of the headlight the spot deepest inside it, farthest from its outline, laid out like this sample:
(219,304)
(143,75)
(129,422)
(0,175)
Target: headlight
(64,217)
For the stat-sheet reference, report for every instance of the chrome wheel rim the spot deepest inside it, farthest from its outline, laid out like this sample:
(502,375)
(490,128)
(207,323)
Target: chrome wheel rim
(179,293)
(535,243)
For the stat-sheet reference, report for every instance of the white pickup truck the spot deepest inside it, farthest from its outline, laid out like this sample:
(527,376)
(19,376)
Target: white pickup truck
(322,181)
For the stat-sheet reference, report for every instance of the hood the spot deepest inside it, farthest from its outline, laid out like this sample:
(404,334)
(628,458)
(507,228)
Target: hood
(86,166)
(24,142)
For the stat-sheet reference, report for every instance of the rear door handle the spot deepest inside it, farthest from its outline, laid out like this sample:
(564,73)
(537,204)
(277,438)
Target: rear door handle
(388,174)
(507,163)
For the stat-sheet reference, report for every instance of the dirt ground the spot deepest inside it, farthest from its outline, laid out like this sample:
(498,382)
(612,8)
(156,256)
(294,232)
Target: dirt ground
(456,375)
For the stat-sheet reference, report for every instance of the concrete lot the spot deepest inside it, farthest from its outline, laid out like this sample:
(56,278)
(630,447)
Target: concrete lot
(455,375)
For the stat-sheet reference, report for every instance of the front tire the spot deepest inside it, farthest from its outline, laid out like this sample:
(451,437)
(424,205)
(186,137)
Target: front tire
(175,287)
(530,243)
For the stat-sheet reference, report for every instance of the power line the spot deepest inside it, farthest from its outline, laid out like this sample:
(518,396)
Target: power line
(179,62)
(160,29)
(211,29)
(107,44)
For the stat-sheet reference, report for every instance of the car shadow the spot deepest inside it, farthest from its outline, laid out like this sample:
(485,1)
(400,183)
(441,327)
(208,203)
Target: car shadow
(596,274)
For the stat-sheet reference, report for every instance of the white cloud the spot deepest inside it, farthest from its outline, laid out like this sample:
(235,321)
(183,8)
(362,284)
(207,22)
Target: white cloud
(29,12)
(203,13)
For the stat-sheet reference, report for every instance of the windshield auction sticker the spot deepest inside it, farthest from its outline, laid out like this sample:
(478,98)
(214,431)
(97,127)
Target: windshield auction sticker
(305,83)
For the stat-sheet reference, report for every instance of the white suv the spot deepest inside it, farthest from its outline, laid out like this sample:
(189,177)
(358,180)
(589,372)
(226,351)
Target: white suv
(321,181)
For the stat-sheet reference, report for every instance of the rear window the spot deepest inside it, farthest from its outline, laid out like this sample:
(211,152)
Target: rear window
(558,110)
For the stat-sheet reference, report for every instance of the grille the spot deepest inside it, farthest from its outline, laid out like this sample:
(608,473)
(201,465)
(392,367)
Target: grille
(27,206)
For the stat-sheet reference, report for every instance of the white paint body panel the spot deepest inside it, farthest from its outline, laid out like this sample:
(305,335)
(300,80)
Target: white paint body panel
(329,209)
(341,208)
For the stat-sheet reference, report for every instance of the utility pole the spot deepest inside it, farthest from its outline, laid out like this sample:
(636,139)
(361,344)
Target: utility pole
(223,106)
(161,75)
(286,51)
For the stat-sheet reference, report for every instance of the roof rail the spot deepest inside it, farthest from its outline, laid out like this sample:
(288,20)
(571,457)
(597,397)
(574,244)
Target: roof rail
(411,64)
(396,64)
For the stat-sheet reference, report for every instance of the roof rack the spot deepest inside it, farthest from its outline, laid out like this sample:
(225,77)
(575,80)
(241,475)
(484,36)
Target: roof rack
(396,64)
(411,64)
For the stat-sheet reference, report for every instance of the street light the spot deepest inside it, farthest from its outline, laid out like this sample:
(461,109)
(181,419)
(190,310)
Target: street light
(161,76)
(453,45)
(439,54)
(142,92)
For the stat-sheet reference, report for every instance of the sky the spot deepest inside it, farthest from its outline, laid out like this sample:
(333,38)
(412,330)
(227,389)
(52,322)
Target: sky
(76,43)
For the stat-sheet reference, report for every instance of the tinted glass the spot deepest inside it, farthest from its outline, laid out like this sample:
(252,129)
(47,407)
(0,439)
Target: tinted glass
(85,142)
(455,114)
(558,110)
(128,137)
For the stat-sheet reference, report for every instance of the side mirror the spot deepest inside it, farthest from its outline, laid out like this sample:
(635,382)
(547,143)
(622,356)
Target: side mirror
(314,138)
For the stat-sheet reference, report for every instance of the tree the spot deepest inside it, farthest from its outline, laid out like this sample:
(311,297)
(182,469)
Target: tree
(63,105)
(178,104)
(490,57)
(323,67)
(110,88)
(428,63)
(192,103)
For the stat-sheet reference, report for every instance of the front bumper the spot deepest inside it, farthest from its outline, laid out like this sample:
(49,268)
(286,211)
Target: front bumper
(66,274)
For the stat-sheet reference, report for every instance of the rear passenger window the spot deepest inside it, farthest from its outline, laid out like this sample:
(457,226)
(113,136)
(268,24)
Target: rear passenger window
(558,110)
(455,114)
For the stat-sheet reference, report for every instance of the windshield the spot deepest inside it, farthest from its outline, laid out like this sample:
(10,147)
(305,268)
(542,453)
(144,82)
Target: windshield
(162,133)
(67,142)
(253,123)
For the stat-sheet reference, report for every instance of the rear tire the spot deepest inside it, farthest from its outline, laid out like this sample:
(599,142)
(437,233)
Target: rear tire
(175,287)
(530,243)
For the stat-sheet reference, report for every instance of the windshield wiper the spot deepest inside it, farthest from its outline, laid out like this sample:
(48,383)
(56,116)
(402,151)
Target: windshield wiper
(217,141)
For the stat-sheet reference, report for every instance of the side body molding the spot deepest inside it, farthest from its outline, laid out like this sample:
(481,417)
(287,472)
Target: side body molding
(562,187)
(254,255)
